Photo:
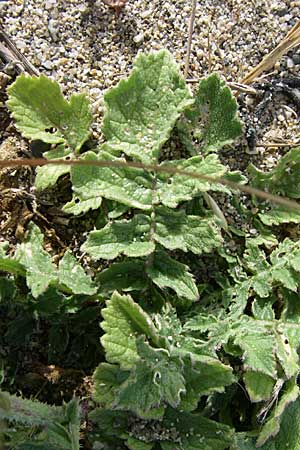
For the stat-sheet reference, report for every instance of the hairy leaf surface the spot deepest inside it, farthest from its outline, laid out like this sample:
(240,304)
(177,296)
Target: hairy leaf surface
(142,110)
(167,272)
(124,321)
(37,105)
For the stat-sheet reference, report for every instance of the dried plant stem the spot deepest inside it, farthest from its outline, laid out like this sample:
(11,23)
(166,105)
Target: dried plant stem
(155,168)
(10,53)
(190,35)
(291,40)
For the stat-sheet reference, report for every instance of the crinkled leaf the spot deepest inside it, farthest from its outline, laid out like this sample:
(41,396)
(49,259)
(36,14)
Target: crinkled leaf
(278,215)
(203,376)
(172,229)
(258,349)
(217,108)
(194,432)
(37,105)
(130,237)
(40,272)
(47,176)
(72,275)
(167,272)
(283,268)
(142,110)
(125,276)
(176,230)
(272,426)
(173,189)
(124,320)
(130,186)
(157,378)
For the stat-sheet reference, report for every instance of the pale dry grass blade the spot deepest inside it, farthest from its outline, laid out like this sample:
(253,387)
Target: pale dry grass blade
(291,40)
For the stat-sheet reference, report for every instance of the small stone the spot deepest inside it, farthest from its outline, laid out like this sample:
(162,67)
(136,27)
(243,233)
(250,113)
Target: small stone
(138,39)
(145,14)
(281,118)
(296,58)
(47,65)
(289,63)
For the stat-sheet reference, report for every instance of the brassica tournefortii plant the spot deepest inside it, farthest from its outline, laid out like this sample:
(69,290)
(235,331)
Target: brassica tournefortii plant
(199,318)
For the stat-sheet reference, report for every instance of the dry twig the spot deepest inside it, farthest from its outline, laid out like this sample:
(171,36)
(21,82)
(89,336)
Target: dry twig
(291,40)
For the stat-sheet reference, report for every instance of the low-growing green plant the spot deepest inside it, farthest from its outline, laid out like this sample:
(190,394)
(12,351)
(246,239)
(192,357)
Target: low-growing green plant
(177,372)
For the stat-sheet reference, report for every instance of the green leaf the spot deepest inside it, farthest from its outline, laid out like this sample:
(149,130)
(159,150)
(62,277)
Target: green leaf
(37,105)
(172,229)
(125,276)
(272,426)
(217,107)
(259,386)
(258,348)
(283,179)
(11,266)
(194,432)
(28,412)
(124,321)
(167,272)
(142,110)
(134,444)
(133,187)
(130,237)
(7,290)
(157,378)
(173,189)
(203,376)
(107,379)
(278,215)
(72,275)
(40,272)
(283,268)
(287,342)
(176,230)
(47,176)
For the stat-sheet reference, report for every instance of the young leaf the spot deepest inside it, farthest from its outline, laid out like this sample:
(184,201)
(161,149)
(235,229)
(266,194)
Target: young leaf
(173,189)
(177,230)
(125,276)
(130,237)
(167,272)
(37,105)
(133,187)
(203,376)
(283,179)
(72,275)
(158,379)
(47,176)
(107,379)
(221,126)
(124,320)
(194,432)
(142,110)
(259,386)
(40,272)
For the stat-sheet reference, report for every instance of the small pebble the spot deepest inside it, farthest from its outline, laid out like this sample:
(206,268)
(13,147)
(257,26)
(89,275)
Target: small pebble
(138,39)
